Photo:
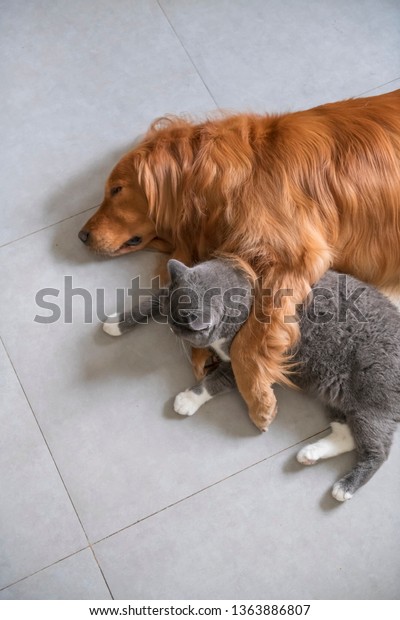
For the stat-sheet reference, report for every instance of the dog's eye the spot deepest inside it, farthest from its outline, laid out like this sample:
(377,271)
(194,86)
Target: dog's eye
(134,241)
(115,190)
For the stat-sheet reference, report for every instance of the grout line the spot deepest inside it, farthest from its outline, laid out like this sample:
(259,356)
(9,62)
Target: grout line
(187,53)
(183,499)
(90,545)
(42,569)
(46,227)
(370,90)
(213,484)
(101,571)
(55,465)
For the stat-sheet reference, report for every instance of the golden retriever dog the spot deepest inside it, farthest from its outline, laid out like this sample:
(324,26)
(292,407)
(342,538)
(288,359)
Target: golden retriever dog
(286,195)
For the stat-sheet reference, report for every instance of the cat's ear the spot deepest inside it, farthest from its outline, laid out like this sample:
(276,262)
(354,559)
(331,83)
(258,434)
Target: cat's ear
(176,269)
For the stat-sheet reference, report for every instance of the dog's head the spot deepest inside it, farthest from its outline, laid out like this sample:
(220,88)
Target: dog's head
(160,195)
(123,223)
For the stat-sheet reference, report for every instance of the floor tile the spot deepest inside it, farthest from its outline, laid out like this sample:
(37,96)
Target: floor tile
(80,82)
(105,405)
(271,532)
(75,578)
(384,88)
(38,525)
(267,55)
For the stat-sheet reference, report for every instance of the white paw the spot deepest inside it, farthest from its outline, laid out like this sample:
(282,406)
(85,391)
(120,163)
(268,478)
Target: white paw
(309,454)
(110,326)
(339,493)
(186,403)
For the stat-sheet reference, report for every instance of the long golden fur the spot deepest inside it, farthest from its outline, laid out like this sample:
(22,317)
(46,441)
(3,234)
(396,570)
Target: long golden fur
(288,195)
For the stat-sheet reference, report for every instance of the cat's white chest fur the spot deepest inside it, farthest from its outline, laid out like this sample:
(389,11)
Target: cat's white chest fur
(217,346)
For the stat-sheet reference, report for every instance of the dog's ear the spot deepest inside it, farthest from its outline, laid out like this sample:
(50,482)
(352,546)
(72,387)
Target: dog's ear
(176,269)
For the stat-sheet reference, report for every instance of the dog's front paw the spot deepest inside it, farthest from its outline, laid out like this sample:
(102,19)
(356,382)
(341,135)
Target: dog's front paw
(262,418)
(112,325)
(309,454)
(186,403)
(199,361)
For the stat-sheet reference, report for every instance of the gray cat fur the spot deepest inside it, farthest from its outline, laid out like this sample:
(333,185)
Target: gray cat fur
(348,354)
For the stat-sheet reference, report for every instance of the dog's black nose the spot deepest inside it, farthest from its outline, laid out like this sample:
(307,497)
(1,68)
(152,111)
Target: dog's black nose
(83,235)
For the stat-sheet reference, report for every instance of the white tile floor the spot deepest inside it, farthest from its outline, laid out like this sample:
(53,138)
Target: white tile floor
(105,492)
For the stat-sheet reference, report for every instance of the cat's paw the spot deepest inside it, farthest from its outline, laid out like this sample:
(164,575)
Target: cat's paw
(186,403)
(309,454)
(340,493)
(112,326)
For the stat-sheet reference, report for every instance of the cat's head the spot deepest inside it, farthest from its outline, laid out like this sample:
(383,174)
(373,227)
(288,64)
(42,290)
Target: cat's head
(198,304)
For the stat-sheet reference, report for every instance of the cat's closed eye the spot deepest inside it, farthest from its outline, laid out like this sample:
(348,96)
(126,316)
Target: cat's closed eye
(187,316)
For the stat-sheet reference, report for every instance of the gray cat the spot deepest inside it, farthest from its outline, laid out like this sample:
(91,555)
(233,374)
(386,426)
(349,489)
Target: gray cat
(348,355)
